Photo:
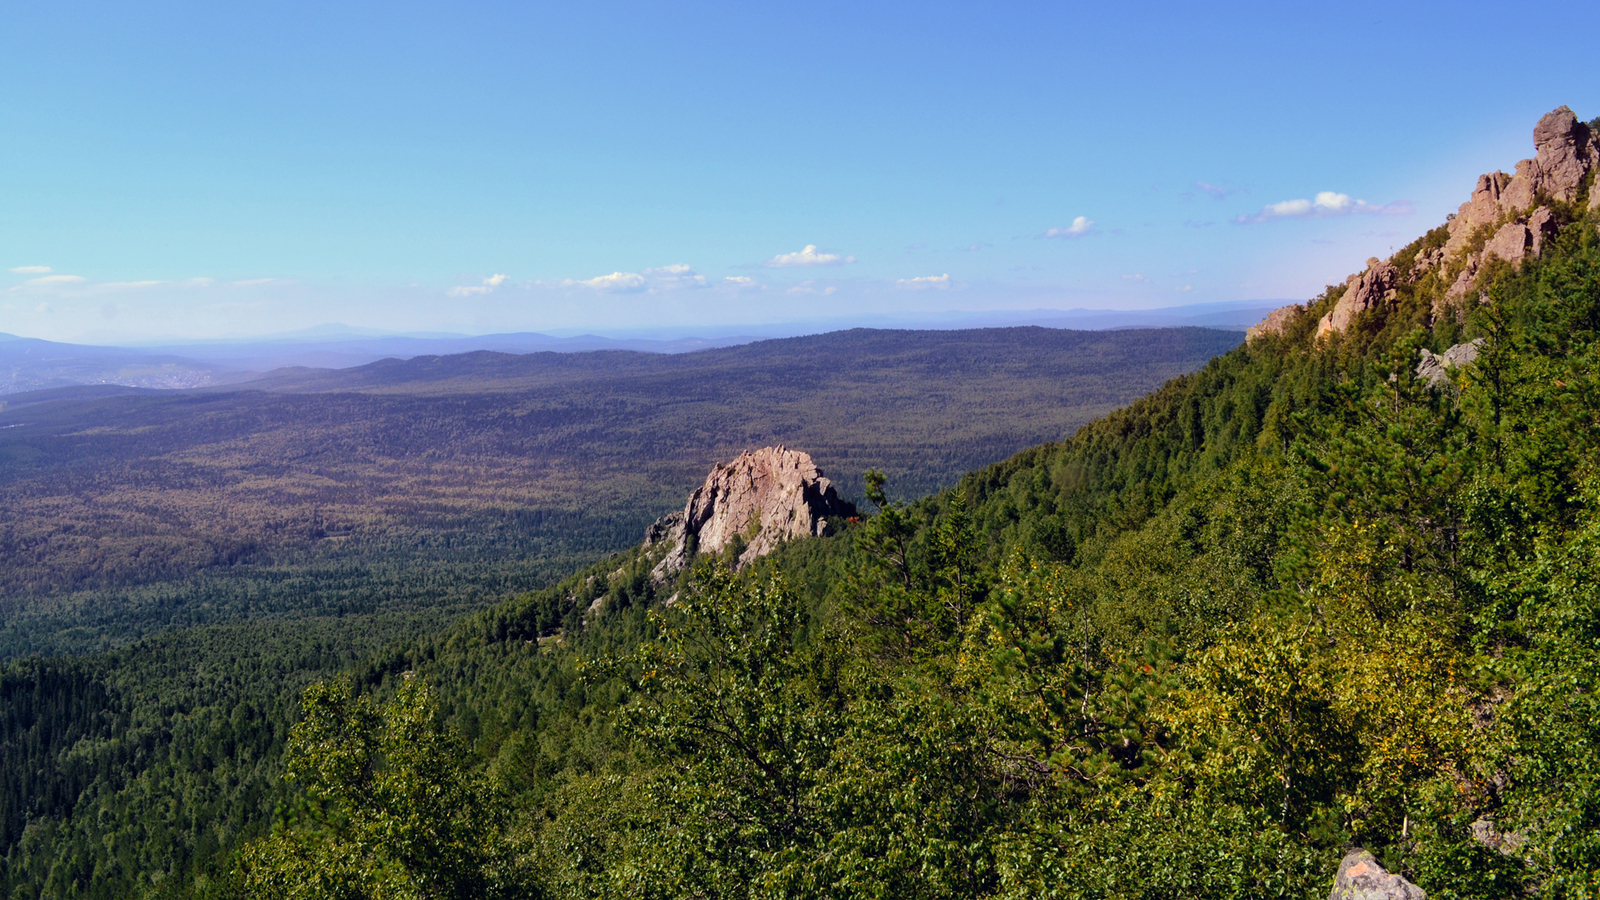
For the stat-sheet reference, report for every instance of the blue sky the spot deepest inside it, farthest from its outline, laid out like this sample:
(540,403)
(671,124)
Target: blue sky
(198,170)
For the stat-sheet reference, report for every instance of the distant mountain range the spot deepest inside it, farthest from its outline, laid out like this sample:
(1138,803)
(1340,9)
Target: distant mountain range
(30,364)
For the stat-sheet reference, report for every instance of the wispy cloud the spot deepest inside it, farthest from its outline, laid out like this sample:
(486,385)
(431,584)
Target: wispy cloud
(477,290)
(806,257)
(974,248)
(1135,278)
(661,278)
(1080,226)
(921,282)
(1326,204)
(1187,287)
(741,282)
(31,270)
(1216,191)
(811,288)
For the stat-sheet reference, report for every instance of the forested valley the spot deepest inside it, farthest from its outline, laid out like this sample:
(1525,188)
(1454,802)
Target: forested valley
(175,567)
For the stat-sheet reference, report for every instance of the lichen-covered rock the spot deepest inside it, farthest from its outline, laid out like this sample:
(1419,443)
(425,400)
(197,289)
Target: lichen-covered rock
(1275,322)
(1367,290)
(1361,878)
(762,498)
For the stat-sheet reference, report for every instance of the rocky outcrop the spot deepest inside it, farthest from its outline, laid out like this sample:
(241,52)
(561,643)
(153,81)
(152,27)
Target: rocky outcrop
(1275,322)
(1564,152)
(761,499)
(1367,290)
(1361,878)
(1435,367)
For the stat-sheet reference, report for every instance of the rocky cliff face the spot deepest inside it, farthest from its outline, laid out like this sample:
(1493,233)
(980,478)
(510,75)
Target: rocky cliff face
(1517,208)
(761,499)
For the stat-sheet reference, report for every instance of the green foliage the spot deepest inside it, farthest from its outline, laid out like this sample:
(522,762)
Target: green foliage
(395,809)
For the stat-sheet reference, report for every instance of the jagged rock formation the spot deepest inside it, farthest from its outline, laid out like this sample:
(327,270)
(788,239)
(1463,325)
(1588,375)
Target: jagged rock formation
(1435,367)
(761,498)
(1275,322)
(1363,291)
(1361,878)
(1517,208)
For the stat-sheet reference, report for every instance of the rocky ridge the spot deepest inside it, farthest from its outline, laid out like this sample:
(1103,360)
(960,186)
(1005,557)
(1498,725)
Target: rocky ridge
(754,503)
(1518,209)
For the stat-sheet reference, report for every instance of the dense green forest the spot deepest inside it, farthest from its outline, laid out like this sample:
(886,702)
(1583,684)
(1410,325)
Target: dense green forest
(1297,601)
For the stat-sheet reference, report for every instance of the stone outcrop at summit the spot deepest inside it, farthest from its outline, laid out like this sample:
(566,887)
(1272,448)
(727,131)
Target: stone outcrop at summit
(761,499)
(1508,217)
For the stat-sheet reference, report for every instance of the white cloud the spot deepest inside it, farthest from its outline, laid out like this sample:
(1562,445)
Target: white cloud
(808,256)
(677,276)
(1080,226)
(811,288)
(258,282)
(32,270)
(1135,278)
(1326,204)
(925,281)
(488,286)
(741,283)
(57,279)
(1215,191)
(1187,287)
(616,282)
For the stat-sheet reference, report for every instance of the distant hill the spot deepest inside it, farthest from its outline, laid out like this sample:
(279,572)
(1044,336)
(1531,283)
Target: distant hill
(130,511)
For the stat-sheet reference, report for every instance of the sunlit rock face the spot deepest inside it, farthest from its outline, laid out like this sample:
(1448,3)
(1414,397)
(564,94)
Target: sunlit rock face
(762,498)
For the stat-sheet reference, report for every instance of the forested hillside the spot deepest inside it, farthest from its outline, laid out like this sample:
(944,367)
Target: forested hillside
(1304,599)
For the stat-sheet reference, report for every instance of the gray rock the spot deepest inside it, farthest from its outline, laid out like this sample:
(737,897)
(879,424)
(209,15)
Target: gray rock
(1361,878)
(1435,367)
(762,498)
(667,528)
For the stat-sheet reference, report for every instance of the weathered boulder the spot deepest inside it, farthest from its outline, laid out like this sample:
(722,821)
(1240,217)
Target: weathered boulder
(762,498)
(1435,367)
(1511,242)
(1275,322)
(1361,878)
(1367,290)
